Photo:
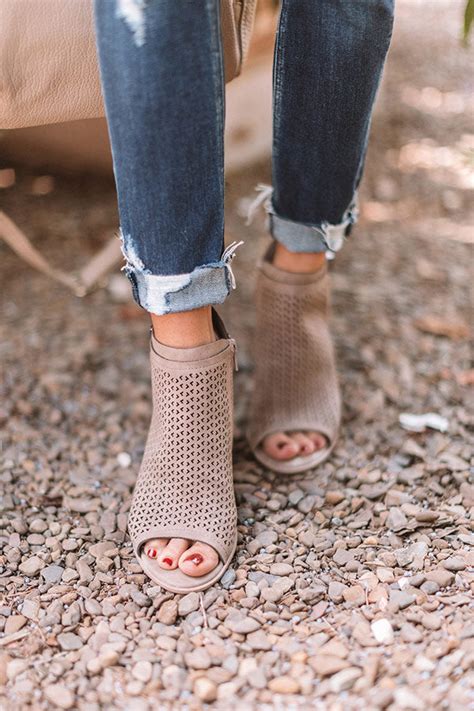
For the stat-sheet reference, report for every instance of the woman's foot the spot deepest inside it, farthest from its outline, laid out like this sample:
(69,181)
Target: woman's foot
(287,445)
(194,559)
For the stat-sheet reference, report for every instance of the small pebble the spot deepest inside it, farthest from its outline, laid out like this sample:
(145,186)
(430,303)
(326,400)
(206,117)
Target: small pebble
(205,689)
(431,621)
(31,566)
(69,641)
(454,564)
(168,612)
(142,671)
(14,623)
(382,631)
(189,603)
(52,574)
(198,659)
(281,569)
(284,685)
(124,460)
(59,696)
(344,680)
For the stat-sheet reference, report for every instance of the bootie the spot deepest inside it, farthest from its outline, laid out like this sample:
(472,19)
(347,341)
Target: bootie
(296,386)
(185,487)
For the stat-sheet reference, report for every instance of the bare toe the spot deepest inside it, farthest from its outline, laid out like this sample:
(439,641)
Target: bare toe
(305,445)
(169,556)
(198,560)
(280,446)
(318,439)
(154,546)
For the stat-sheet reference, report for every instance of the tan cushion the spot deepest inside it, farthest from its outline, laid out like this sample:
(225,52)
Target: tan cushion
(48,61)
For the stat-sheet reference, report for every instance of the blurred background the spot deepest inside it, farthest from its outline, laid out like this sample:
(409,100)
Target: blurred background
(56,183)
(426,98)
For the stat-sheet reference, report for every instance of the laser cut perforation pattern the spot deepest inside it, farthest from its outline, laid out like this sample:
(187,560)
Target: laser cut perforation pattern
(185,479)
(295,378)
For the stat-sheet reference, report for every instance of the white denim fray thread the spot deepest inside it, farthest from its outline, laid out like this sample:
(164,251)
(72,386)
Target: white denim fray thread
(157,294)
(299,237)
(133,12)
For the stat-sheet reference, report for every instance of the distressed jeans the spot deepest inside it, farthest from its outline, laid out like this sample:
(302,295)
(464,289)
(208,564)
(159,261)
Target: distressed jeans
(161,68)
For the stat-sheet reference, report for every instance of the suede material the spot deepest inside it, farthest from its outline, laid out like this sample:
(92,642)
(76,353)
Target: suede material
(185,484)
(296,385)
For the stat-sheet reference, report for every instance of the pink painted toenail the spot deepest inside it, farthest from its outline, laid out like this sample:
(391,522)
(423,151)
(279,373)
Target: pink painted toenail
(196,559)
(151,553)
(168,561)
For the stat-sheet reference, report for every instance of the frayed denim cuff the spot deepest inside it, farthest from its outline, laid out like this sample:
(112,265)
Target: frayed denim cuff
(181,292)
(297,237)
(300,237)
(165,294)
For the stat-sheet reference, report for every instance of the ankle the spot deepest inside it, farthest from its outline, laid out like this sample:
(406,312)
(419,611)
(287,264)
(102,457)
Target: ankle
(297,262)
(186,329)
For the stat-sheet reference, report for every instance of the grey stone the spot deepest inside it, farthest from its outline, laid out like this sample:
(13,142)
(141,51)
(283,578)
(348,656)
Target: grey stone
(241,624)
(228,579)
(30,608)
(396,519)
(69,641)
(401,598)
(52,574)
(188,603)
(336,591)
(410,633)
(454,563)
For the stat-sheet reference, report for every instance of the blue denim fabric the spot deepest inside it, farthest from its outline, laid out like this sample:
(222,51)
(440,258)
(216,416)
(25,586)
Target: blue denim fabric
(162,76)
(328,62)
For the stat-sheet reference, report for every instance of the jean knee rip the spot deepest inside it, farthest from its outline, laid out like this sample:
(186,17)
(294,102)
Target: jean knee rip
(300,237)
(164,294)
(133,13)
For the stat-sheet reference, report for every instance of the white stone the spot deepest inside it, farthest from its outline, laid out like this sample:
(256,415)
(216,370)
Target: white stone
(382,631)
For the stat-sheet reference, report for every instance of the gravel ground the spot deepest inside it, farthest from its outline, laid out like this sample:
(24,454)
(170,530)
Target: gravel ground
(352,586)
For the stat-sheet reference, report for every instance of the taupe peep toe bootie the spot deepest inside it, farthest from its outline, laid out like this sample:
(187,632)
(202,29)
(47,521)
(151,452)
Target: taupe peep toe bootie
(185,487)
(296,386)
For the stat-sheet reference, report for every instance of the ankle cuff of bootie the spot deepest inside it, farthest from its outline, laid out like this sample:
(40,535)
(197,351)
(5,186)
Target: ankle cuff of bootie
(208,350)
(284,277)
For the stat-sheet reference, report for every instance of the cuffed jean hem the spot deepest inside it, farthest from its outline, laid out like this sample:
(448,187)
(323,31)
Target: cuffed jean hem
(303,237)
(320,237)
(158,294)
(298,237)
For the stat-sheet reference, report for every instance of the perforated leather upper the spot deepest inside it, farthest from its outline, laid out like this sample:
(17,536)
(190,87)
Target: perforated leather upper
(295,376)
(185,487)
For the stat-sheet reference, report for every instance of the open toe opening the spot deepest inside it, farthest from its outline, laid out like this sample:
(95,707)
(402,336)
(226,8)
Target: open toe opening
(174,578)
(177,581)
(299,462)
